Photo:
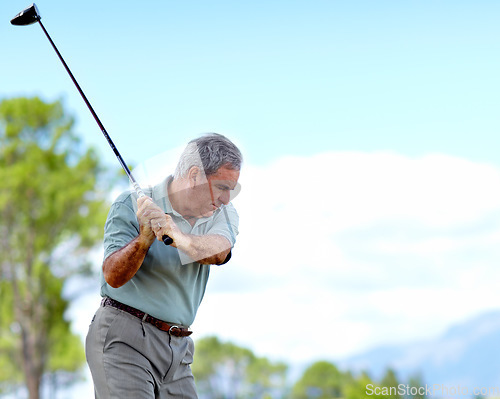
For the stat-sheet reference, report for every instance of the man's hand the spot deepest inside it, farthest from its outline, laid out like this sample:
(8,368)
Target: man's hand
(144,213)
(154,222)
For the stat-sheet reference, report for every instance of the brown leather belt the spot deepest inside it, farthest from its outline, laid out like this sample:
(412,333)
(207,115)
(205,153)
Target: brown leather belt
(176,331)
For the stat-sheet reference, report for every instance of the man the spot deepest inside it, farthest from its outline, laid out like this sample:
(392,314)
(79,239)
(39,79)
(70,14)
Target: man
(138,344)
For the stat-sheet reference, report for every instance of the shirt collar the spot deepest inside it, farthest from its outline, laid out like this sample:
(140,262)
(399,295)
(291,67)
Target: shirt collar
(160,196)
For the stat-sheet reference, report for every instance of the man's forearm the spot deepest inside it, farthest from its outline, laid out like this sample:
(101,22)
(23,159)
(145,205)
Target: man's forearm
(209,249)
(119,267)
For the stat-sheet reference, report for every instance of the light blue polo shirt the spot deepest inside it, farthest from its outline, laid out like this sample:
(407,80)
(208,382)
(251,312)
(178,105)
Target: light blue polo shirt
(168,285)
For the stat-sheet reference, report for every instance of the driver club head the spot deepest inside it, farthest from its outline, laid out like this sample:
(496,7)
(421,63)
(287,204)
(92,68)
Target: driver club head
(27,17)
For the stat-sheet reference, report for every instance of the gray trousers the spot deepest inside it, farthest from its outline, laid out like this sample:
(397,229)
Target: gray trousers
(130,359)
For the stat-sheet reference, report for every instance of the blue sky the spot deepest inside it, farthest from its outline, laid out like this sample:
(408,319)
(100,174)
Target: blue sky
(370,130)
(281,77)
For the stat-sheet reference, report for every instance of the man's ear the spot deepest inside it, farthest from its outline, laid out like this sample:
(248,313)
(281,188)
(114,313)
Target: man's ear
(193,176)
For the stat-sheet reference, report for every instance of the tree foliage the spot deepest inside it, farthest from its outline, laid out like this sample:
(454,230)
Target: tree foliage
(324,380)
(415,384)
(224,370)
(390,380)
(321,380)
(50,214)
(357,387)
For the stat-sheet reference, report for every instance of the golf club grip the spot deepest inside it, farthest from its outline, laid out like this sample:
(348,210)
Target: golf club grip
(167,240)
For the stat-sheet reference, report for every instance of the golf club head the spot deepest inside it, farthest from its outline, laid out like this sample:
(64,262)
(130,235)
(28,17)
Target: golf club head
(26,17)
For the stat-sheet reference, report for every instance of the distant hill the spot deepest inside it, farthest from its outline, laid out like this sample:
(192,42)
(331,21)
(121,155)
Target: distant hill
(468,354)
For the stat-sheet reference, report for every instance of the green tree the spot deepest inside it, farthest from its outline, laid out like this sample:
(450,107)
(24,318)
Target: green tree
(225,370)
(416,387)
(51,213)
(390,381)
(321,380)
(361,387)
(265,377)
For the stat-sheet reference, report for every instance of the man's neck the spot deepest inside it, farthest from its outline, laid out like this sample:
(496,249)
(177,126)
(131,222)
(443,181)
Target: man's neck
(178,195)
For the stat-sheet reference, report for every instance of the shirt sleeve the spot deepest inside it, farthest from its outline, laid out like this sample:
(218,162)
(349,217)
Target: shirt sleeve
(121,226)
(226,224)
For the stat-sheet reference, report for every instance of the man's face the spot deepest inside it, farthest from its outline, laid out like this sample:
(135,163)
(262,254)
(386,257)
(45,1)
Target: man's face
(216,189)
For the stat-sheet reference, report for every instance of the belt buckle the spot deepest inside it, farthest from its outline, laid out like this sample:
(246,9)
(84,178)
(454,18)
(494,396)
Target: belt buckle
(174,330)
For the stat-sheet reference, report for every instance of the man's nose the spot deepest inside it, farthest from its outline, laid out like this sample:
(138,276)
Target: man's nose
(225,197)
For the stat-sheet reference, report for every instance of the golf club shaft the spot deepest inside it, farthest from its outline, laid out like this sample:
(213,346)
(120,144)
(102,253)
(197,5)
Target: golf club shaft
(166,239)
(101,126)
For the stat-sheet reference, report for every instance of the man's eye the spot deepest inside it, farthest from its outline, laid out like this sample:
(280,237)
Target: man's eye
(223,188)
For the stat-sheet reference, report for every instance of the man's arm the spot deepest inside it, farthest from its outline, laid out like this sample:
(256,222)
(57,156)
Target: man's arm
(119,267)
(211,249)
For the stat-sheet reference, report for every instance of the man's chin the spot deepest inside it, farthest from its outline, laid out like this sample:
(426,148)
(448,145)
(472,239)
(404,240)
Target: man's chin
(207,214)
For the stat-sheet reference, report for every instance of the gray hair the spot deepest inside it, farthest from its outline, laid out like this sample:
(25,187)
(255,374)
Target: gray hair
(210,152)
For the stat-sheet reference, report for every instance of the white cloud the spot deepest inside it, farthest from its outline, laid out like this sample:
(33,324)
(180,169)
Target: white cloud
(341,251)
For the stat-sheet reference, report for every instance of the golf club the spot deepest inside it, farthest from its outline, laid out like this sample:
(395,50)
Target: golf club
(31,15)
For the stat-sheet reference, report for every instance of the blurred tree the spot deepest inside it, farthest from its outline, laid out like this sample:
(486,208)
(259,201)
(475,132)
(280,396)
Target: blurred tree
(224,370)
(321,380)
(390,381)
(265,378)
(416,387)
(51,213)
(361,387)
